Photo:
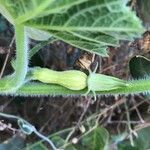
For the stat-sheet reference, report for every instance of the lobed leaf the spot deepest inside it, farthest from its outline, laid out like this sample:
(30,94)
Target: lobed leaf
(23,10)
(98,139)
(142,142)
(99,23)
(91,25)
(81,43)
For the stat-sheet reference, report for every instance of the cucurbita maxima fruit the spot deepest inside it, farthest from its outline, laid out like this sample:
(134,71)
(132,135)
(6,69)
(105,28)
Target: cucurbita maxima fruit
(72,79)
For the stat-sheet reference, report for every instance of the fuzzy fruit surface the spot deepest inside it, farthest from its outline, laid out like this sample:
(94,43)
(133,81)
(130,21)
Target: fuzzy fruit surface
(72,79)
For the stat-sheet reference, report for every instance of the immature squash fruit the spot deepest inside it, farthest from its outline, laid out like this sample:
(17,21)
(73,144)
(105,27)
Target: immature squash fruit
(72,79)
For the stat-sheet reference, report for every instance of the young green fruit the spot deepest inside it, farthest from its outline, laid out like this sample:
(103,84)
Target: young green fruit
(72,79)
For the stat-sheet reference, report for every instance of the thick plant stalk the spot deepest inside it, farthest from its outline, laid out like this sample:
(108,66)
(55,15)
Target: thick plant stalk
(40,89)
(76,83)
(21,56)
(11,84)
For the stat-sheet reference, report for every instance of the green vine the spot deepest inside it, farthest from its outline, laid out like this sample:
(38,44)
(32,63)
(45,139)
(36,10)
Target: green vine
(40,89)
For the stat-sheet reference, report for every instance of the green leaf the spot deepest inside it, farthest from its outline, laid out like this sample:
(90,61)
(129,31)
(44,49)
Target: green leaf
(57,140)
(37,34)
(38,146)
(91,25)
(139,67)
(93,16)
(127,146)
(61,5)
(143,140)
(140,143)
(81,42)
(96,140)
(99,23)
(14,143)
(22,10)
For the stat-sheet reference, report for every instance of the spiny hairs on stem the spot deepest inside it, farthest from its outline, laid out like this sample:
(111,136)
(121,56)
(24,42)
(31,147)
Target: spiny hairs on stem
(41,89)
(99,84)
(21,68)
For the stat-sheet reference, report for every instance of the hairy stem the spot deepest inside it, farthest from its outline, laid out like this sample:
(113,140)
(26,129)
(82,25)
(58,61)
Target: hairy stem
(37,89)
(12,84)
(21,55)
(41,89)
